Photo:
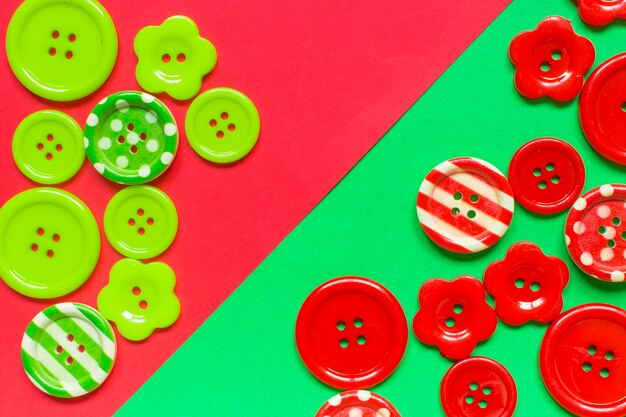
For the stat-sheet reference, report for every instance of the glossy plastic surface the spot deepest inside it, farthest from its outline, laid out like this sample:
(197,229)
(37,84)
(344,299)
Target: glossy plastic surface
(357,403)
(351,333)
(547,175)
(454,315)
(601,12)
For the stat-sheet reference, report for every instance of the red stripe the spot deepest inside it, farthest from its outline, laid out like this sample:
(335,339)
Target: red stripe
(443,242)
(475,166)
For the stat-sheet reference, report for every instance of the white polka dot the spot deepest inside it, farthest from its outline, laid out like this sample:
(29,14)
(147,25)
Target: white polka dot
(122,106)
(586,258)
(355,412)
(86,142)
(99,167)
(363,395)
(144,171)
(152,145)
(121,161)
(147,98)
(104,100)
(607,190)
(116,125)
(603,211)
(335,401)
(617,276)
(92,120)
(609,233)
(151,117)
(383,412)
(580,204)
(104,143)
(568,240)
(579,228)
(169,129)
(167,158)
(606,254)
(132,138)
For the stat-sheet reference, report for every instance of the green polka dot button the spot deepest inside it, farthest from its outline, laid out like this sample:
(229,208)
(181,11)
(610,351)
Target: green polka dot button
(222,125)
(61,50)
(49,243)
(131,137)
(140,222)
(48,147)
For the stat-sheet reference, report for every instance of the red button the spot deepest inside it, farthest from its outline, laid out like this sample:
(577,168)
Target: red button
(595,232)
(601,12)
(527,285)
(357,404)
(551,60)
(454,315)
(478,387)
(465,205)
(602,109)
(582,360)
(351,333)
(547,175)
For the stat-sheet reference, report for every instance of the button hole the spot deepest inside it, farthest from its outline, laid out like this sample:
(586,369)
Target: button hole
(143,304)
(133,149)
(224,116)
(487,390)
(40,146)
(72,37)
(121,139)
(219,134)
(150,221)
(81,349)
(50,253)
(469,399)
(471,214)
(550,166)
(535,286)
(50,137)
(49,156)
(361,340)
(542,185)
(482,404)
(131,222)
(136,290)
(556,179)
(69,55)
(34,247)
(545,66)
(537,172)
(556,55)
(70,360)
(181,57)
(131,127)
(344,343)
(341,325)
(59,349)
(474,198)
(56,237)
(166,58)
(70,337)
(143,136)
(458,309)
(610,243)
(231,127)
(213,123)
(358,323)
(609,356)
(455,211)
(473,386)
(616,221)
(604,372)
(40,231)
(59,147)
(140,212)
(458,196)
(141,231)
(592,349)
(450,322)
(519,282)
(55,34)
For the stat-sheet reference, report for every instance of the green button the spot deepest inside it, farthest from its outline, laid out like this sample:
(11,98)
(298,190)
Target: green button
(222,125)
(61,50)
(140,222)
(140,298)
(49,243)
(48,147)
(131,137)
(173,58)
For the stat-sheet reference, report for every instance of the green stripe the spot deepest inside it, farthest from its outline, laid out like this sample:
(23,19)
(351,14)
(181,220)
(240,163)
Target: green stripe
(97,320)
(52,385)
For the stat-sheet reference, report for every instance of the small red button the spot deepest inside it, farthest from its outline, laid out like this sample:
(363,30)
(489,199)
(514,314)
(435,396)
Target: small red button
(357,404)
(582,360)
(454,315)
(601,12)
(602,109)
(595,232)
(547,175)
(351,333)
(478,387)
(551,60)
(527,285)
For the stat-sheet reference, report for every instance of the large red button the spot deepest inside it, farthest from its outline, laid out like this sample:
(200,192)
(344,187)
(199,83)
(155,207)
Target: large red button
(357,404)
(595,232)
(547,175)
(351,333)
(478,387)
(465,205)
(583,362)
(603,109)
(601,12)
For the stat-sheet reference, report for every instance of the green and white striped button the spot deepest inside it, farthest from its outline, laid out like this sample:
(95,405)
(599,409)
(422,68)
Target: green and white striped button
(68,350)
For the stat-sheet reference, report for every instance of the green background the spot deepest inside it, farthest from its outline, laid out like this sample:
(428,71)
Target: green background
(243,360)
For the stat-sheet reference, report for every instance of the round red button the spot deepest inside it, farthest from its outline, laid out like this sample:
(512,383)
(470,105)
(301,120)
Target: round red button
(595,232)
(357,404)
(351,333)
(603,109)
(601,12)
(546,175)
(478,387)
(582,360)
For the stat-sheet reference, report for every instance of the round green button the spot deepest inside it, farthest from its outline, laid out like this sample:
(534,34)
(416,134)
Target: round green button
(131,137)
(49,243)
(140,222)
(222,125)
(61,50)
(48,147)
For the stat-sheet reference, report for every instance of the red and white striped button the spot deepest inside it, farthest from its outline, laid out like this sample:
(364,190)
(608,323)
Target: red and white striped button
(465,205)
(595,232)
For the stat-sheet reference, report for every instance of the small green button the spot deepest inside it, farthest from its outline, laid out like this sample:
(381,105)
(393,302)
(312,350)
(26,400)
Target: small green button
(131,137)
(140,298)
(140,222)
(49,243)
(61,50)
(48,147)
(222,125)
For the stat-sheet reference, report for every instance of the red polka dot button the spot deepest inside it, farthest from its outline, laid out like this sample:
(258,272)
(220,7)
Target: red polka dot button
(582,360)
(478,387)
(351,333)
(357,404)
(546,175)
(601,12)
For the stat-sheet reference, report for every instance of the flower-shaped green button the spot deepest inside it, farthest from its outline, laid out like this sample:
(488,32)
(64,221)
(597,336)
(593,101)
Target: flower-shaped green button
(140,222)
(61,49)
(131,137)
(140,298)
(173,58)
(49,243)
(48,147)
(222,125)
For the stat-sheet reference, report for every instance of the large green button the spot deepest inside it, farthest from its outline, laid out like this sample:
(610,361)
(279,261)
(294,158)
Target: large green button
(222,125)
(140,222)
(61,49)
(48,147)
(49,243)
(131,137)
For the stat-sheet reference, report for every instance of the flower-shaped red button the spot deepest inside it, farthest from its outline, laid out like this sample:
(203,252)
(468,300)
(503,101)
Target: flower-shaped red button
(357,404)
(454,315)
(351,333)
(582,360)
(527,285)
(551,60)
(547,175)
(478,387)
(601,12)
